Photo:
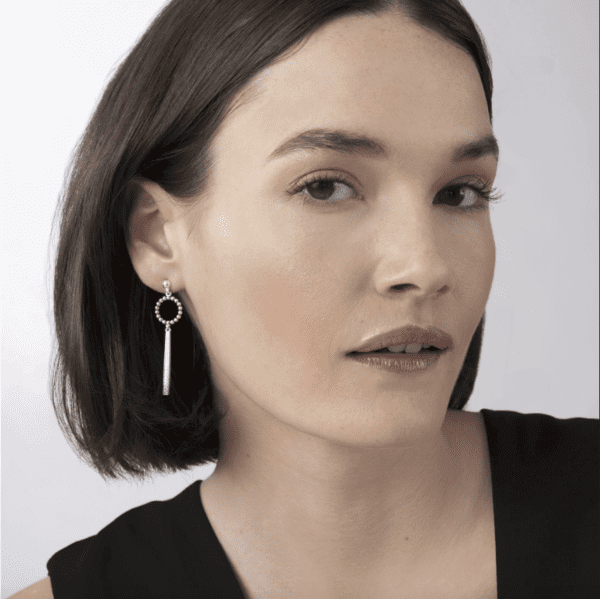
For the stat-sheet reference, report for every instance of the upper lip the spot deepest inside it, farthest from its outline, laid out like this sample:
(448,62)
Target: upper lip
(407,335)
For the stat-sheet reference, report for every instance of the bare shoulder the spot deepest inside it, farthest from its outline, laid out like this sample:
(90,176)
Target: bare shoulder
(41,589)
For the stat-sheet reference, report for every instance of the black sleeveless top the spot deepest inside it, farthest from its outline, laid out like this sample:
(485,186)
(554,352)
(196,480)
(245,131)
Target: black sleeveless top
(545,483)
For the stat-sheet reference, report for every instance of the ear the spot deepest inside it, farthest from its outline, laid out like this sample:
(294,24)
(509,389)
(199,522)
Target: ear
(153,235)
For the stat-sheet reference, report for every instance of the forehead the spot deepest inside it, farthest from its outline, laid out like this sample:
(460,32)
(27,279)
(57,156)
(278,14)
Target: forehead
(383,75)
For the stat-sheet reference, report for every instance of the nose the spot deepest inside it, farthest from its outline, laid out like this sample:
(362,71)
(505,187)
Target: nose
(413,249)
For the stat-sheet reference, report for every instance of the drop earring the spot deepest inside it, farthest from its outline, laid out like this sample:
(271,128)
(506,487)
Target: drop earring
(167,361)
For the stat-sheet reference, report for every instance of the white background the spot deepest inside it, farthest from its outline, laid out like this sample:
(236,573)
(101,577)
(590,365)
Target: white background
(540,351)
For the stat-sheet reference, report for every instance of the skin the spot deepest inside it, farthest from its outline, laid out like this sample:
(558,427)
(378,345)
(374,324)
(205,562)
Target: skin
(337,479)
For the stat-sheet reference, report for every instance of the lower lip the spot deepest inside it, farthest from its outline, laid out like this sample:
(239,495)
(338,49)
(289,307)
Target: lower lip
(399,362)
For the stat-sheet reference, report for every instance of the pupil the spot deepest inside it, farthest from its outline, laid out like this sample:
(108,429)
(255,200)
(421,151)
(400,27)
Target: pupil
(321,190)
(455,196)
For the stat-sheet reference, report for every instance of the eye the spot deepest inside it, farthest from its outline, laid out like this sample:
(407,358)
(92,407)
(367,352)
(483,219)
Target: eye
(468,196)
(325,189)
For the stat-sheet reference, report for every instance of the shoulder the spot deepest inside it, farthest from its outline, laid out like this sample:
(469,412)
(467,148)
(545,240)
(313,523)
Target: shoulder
(546,495)
(546,462)
(562,439)
(42,589)
(535,456)
(153,544)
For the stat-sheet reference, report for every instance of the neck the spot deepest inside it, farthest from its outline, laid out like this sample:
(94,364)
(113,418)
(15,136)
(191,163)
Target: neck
(336,503)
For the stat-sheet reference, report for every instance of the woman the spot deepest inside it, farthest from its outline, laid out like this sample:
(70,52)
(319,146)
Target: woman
(311,182)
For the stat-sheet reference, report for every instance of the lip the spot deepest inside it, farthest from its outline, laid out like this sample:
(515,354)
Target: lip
(405,336)
(399,362)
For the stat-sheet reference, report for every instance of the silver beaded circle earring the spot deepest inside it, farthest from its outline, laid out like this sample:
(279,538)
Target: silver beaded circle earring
(167,361)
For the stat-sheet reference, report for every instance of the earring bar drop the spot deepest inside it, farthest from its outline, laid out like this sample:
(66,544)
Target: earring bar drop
(167,357)
(167,361)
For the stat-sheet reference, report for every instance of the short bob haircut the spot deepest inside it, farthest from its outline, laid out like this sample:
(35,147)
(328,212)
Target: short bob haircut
(157,119)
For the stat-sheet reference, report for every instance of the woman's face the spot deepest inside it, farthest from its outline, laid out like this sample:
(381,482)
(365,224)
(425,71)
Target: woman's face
(282,288)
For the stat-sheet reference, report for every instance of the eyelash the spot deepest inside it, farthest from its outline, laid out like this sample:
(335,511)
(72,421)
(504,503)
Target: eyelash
(492,195)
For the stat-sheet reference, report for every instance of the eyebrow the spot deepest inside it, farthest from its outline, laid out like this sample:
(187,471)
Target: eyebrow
(347,142)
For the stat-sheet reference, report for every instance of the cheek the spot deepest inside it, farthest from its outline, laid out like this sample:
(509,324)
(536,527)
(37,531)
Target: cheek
(270,290)
(287,301)
(472,256)
(486,261)
(475,281)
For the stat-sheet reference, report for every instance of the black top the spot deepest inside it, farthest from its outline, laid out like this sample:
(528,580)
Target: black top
(545,483)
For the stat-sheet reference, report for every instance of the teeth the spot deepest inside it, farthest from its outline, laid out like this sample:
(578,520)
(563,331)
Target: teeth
(397,348)
(413,348)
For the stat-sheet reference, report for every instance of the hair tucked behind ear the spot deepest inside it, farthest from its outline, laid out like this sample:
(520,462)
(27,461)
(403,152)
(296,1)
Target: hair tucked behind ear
(157,119)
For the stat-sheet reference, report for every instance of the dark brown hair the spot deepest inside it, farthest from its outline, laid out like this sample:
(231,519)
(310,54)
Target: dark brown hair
(157,119)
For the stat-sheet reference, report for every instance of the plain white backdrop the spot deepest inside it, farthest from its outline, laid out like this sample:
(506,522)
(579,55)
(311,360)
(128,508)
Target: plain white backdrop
(540,350)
